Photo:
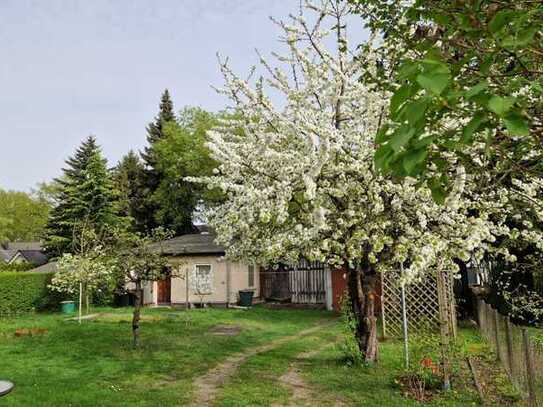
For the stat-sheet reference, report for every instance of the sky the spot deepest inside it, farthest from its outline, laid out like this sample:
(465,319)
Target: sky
(71,68)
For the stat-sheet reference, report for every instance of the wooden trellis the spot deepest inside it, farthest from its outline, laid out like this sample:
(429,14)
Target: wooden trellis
(428,301)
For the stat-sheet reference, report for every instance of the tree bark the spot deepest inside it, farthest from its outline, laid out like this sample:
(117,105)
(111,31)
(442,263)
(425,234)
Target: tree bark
(136,316)
(362,285)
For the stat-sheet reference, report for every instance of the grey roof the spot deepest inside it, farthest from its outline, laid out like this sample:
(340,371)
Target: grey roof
(197,243)
(203,229)
(23,246)
(45,268)
(32,256)
(7,255)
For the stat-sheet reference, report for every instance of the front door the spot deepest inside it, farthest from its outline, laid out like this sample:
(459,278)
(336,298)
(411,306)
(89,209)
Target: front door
(164,291)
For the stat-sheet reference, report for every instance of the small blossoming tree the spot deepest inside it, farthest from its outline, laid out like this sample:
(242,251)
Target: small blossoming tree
(138,259)
(300,181)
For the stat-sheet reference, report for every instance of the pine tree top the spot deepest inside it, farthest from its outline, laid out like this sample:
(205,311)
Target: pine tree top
(155,129)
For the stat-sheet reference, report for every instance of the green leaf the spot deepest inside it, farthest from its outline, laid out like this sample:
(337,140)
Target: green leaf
(401,137)
(413,159)
(516,124)
(474,91)
(435,83)
(486,64)
(407,69)
(400,96)
(501,105)
(473,126)
(413,112)
(382,135)
(438,192)
(382,157)
(499,21)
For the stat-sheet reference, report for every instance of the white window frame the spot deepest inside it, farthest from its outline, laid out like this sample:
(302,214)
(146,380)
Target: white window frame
(249,275)
(210,272)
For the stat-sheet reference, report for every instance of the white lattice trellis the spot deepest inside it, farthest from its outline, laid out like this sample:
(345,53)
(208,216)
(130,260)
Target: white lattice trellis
(425,299)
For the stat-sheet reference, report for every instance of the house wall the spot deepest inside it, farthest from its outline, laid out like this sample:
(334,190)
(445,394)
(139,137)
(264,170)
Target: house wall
(182,268)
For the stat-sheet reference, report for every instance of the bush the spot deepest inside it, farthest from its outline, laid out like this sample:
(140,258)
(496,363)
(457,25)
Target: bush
(24,292)
(349,349)
(4,267)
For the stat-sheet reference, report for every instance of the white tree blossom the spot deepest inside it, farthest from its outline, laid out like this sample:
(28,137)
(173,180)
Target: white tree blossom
(300,179)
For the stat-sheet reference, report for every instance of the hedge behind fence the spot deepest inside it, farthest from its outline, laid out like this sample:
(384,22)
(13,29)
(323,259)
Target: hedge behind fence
(22,292)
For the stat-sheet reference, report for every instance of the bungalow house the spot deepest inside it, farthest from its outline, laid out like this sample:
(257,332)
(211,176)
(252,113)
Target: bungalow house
(200,273)
(23,252)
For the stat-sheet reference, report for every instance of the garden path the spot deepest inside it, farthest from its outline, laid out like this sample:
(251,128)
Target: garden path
(208,385)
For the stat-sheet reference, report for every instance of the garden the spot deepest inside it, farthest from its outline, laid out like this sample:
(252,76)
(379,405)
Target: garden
(256,357)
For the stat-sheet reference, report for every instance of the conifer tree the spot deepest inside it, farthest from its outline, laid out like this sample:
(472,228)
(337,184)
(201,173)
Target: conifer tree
(128,179)
(152,174)
(85,194)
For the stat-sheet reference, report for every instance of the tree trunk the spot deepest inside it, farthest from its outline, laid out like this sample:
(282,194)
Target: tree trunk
(136,316)
(361,287)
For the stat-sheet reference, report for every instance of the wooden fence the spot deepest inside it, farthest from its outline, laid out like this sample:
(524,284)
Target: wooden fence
(303,284)
(520,353)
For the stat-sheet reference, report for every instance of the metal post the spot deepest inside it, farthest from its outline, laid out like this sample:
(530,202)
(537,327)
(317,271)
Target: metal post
(404,321)
(405,338)
(383,316)
(80,300)
(187,304)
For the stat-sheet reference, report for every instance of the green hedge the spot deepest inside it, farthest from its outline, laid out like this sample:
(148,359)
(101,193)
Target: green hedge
(22,292)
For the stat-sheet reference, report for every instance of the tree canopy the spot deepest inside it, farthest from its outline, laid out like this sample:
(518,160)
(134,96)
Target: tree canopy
(23,216)
(85,194)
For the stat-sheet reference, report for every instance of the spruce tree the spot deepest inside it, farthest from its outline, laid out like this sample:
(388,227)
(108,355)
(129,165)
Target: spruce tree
(129,182)
(152,173)
(85,195)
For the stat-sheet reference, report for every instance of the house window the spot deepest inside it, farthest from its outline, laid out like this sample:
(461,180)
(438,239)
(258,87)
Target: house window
(203,279)
(251,276)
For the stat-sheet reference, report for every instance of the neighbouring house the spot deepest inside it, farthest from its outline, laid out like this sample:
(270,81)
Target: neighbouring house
(23,252)
(201,274)
(6,255)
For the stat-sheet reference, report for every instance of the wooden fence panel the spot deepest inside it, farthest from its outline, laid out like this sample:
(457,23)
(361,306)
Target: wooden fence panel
(303,284)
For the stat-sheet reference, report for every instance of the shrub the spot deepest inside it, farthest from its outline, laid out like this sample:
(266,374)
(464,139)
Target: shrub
(4,267)
(349,349)
(24,292)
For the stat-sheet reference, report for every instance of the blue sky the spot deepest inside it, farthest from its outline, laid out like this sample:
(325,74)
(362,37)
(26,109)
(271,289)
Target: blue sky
(70,68)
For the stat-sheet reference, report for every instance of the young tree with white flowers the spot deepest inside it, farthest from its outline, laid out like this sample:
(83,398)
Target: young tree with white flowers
(300,179)
(138,259)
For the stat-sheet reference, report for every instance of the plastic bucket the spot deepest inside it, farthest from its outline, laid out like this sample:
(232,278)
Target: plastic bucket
(67,307)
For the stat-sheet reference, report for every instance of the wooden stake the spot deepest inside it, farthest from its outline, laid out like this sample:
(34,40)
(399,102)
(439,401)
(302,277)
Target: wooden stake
(496,334)
(530,373)
(509,339)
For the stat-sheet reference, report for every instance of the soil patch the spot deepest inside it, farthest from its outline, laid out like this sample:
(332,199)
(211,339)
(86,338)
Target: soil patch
(20,332)
(225,330)
(302,393)
(207,386)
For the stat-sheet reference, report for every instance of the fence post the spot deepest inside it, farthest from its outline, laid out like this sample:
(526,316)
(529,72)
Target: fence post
(496,333)
(509,339)
(530,374)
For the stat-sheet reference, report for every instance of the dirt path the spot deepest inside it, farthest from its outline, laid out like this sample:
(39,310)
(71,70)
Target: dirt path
(207,386)
(302,393)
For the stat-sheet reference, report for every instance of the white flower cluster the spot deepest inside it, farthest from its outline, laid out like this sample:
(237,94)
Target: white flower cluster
(300,181)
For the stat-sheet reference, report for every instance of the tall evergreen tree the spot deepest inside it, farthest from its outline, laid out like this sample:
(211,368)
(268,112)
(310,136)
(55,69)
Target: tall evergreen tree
(155,133)
(152,174)
(85,194)
(129,182)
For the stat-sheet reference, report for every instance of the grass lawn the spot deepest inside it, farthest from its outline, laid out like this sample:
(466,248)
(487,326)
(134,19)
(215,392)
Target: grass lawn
(93,364)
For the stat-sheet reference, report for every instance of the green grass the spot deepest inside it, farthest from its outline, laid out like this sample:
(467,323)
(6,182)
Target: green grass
(93,364)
